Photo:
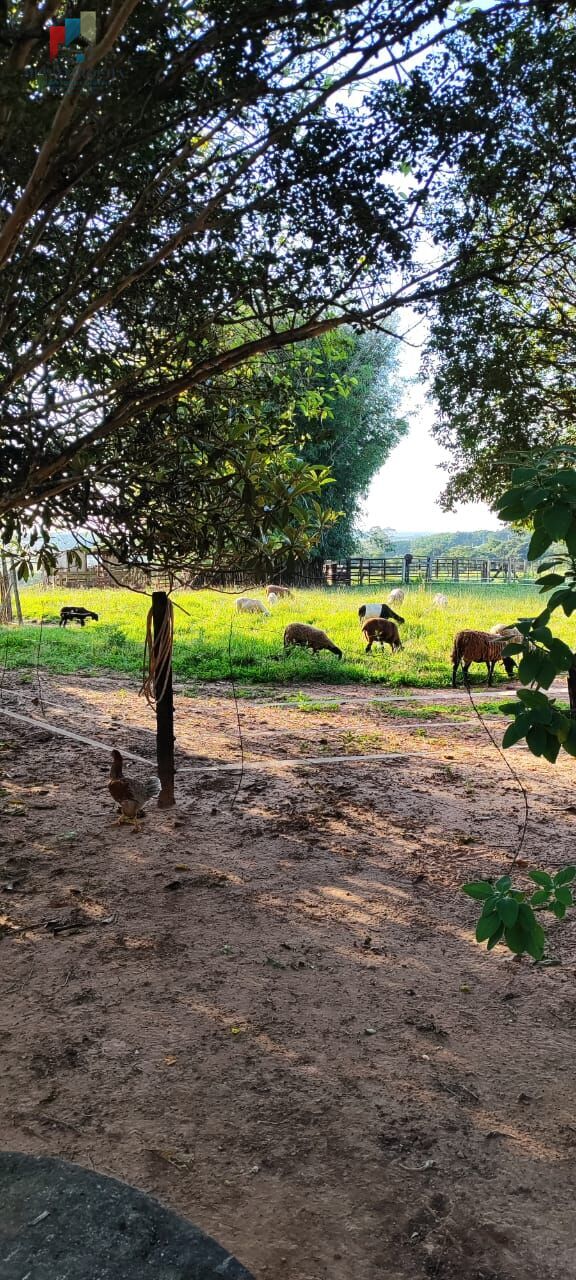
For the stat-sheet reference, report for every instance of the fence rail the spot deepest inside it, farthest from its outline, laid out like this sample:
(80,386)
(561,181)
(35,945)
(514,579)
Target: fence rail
(393,570)
(355,571)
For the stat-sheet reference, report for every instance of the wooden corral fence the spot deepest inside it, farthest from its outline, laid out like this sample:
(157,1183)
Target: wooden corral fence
(393,570)
(356,571)
(122,576)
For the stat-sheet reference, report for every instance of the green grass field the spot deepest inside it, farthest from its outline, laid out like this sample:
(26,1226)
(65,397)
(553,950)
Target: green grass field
(201,648)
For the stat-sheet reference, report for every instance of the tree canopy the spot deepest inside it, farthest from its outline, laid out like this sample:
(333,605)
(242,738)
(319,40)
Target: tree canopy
(501,353)
(219,180)
(359,425)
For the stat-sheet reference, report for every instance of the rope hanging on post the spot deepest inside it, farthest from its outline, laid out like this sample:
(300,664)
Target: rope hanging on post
(157,659)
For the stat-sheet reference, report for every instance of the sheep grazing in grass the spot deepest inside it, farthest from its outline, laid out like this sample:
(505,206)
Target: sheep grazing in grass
(246,604)
(479,646)
(508,632)
(377,611)
(272,597)
(397,596)
(309,638)
(383,631)
(439,600)
(274,589)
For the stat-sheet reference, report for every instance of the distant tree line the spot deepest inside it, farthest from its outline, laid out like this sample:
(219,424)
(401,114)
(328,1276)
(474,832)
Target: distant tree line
(497,544)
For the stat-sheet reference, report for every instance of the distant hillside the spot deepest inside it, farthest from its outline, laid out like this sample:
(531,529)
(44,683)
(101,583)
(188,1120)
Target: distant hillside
(481,542)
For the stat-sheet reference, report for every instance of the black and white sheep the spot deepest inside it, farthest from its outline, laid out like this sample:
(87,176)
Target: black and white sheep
(309,638)
(383,631)
(479,646)
(367,611)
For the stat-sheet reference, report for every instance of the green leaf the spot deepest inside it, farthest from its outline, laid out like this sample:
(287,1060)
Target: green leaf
(552,749)
(561,655)
(536,739)
(569,743)
(503,884)
(557,519)
(539,543)
(516,939)
(563,895)
(536,941)
(478,889)
(507,909)
(529,667)
(540,897)
(495,938)
(517,730)
(533,698)
(487,925)
(550,580)
(559,910)
(566,875)
(541,877)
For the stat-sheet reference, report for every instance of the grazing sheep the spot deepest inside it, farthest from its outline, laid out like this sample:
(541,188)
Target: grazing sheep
(382,630)
(272,597)
(510,633)
(246,604)
(479,646)
(76,613)
(439,600)
(397,596)
(377,611)
(309,638)
(273,589)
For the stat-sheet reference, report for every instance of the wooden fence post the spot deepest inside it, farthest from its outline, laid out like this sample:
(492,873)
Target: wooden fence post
(164,709)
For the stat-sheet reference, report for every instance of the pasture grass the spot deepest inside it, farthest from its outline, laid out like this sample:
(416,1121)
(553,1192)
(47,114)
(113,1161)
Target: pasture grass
(213,641)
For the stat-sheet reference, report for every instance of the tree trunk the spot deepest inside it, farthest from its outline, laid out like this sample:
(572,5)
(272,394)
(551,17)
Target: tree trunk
(572,690)
(16,595)
(5,592)
(164,709)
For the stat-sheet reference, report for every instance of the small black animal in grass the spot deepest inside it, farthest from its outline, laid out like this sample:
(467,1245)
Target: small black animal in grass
(75,613)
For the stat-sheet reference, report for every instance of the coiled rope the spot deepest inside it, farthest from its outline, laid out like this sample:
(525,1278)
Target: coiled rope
(157,658)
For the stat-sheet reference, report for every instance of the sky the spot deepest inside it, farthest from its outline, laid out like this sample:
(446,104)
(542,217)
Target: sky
(404,495)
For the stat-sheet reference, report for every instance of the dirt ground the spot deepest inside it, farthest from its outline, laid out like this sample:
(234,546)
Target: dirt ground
(274,1016)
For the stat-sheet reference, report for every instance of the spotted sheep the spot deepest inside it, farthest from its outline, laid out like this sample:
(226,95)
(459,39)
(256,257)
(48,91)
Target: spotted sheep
(383,631)
(479,646)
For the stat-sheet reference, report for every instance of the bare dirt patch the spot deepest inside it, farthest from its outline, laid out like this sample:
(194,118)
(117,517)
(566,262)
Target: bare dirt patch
(275,1018)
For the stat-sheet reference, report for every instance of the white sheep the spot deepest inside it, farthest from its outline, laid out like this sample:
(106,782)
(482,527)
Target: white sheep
(396,596)
(504,629)
(272,597)
(439,600)
(246,604)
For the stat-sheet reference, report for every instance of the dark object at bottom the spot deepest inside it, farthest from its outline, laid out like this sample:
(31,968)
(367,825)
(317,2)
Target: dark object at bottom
(61,1222)
(75,613)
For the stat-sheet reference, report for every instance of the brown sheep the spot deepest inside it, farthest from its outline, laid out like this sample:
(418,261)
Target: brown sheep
(309,638)
(271,589)
(382,630)
(479,646)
